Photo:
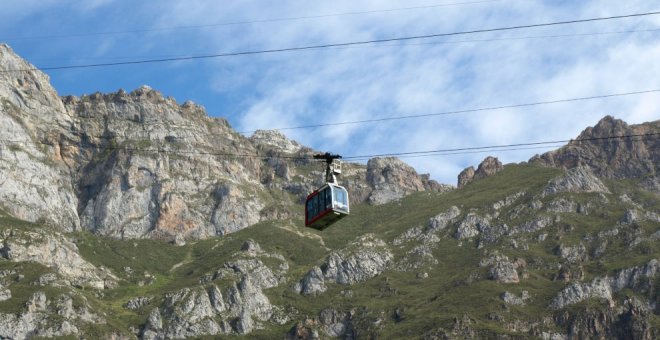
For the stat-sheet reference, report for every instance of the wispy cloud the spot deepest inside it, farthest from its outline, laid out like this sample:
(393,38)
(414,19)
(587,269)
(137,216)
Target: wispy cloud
(340,84)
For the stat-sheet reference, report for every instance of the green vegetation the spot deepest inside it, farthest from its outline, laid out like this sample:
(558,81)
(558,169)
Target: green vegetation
(456,286)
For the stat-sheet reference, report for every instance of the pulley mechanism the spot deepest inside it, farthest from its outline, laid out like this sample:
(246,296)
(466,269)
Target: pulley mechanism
(333,166)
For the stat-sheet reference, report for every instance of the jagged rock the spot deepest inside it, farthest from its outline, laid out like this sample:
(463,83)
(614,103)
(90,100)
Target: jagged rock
(532,226)
(573,254)
(512,299)
(357,266)
(276,140)
(313,283)
(569,273)
(630,321)
(55,251)
(35,182)
(153,327)
(471,225)
(651,184)
(44,318)
(638,278)
(630,157)
(441,220)
(507,201)
(137,302)
(363,259)
(488,167)
(562,205)
(465,176)
(93,176)
(576,292)
(630,217)
(492,233)
(502,269)
(336,324)
(205,310)
(427,235)
(576,180)
(251,247)
(46,279)
(304,330)
(392,179)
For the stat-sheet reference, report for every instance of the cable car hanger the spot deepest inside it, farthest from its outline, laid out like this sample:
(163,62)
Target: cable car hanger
(329,203)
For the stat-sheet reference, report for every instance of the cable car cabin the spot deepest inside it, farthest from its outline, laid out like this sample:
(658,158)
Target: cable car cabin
(326,206)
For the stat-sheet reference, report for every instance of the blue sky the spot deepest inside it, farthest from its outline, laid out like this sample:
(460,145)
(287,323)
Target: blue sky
(345,84)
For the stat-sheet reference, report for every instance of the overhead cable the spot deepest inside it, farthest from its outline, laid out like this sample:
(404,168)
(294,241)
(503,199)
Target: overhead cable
(490,147)
(492,108)
(245,22)
(323,46)
(426,153)
(551,36)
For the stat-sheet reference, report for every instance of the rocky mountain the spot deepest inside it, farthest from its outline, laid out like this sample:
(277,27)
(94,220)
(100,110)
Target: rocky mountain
(140,165)
(631,157)
(131,216)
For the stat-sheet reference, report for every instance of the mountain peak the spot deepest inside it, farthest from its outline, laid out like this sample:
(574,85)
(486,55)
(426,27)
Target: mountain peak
(625,157)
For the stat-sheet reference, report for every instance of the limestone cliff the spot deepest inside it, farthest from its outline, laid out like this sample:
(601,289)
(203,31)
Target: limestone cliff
(140,165)
(611,158)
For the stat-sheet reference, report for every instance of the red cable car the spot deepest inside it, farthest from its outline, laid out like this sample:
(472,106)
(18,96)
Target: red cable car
(329,203)
(326,206)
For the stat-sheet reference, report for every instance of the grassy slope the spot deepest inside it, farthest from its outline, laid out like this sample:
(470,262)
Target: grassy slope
(425,304)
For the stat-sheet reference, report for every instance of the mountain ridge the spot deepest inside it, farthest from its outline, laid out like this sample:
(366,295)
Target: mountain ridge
(101,239)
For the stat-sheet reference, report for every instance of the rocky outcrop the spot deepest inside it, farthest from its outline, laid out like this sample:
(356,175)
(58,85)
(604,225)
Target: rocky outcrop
(141,165)
(365,258)
(275,140)
(42,317)
(630,157)
(638,278)
(576,180)
(329,323)
(471,226)
(488,167)
(392,179)
(501,269)
(35,182)
(573,254)
(423,240)
(54,251)
(629,321)
(513,299)
(206,310)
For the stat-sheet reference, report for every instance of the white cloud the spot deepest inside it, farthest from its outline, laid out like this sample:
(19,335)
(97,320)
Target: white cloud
(345,84)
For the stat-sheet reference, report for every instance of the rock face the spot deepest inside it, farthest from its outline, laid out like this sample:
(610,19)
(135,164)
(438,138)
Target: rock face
(363,259)
(638,278)
(576,180)
(392,179)
(140,165)
(56,252)
(611,158)
(630,321)
(31,113)
(501,269)
(42,317)
(488,167)
(204,311)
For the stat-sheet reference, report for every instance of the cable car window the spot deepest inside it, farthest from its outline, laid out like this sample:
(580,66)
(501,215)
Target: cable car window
(310,211)
(321,198)
(328,198)
(316,205)
(340,198)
